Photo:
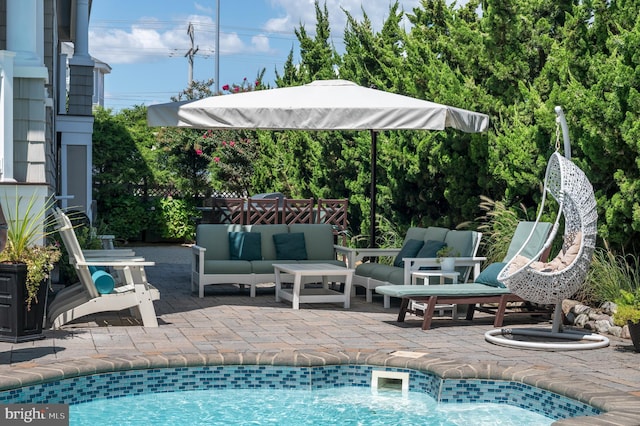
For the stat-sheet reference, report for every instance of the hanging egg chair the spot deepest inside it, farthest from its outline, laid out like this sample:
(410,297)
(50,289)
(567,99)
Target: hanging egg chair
(552,282)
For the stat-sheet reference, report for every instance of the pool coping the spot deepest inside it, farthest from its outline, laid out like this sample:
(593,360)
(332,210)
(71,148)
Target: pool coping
(621,408)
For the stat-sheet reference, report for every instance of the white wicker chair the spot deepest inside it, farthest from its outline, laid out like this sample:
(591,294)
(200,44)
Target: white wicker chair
(552,282)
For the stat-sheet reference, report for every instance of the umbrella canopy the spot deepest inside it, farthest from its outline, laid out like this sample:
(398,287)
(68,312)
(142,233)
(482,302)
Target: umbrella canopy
(320,105)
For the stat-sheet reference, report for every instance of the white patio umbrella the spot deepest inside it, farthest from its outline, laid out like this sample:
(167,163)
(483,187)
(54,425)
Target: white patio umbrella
(320,105)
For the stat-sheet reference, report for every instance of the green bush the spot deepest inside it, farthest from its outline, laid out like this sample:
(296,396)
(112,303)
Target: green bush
(626,313)
(610,276)
(174,219)
(125,217)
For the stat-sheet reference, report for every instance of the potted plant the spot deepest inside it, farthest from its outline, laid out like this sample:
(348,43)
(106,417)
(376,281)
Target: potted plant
(25,264)
(446,258)
(628,314)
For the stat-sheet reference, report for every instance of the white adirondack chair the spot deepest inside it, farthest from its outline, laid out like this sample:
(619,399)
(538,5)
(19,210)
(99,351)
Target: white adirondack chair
(78,300)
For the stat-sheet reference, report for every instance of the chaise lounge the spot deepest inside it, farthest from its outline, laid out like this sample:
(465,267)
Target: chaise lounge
(485,289)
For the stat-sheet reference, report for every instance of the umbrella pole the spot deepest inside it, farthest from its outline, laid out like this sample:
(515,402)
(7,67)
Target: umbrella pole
(374,161)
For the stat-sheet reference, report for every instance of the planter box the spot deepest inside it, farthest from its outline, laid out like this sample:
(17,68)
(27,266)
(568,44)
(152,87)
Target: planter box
(16,323)
(634,332)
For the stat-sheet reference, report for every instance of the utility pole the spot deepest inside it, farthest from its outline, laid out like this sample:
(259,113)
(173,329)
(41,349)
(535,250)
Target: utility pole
(191,53)
(217,52)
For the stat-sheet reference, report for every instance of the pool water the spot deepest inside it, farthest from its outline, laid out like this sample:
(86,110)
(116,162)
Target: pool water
(329,406)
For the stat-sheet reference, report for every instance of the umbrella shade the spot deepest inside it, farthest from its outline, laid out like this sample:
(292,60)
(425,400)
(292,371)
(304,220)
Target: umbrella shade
(320,105)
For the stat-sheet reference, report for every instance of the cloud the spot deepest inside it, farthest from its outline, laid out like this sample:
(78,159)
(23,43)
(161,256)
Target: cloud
(298,12)
(151,40)
(261,43)
(204,9)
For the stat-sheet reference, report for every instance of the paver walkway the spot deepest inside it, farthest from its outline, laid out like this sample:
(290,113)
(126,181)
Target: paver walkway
(228,321)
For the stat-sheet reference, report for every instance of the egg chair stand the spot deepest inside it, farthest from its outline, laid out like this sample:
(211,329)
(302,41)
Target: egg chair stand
(551,282)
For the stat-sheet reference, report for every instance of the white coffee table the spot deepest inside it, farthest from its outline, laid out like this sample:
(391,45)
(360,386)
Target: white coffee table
(425,275)
(298,294)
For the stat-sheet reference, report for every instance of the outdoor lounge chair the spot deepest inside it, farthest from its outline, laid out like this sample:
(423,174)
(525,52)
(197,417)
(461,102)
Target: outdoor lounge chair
(485,290)
(84,298)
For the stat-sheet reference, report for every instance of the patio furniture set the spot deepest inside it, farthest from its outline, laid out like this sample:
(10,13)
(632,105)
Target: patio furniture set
(304,253)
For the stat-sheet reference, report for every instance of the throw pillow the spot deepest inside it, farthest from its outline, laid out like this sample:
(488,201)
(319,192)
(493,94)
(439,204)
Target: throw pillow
(290,246)
(490,275)
(409,249)
(245,246)
(430,248)
(103,281)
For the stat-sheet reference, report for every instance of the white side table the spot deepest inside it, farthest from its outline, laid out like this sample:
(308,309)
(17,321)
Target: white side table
(425,275)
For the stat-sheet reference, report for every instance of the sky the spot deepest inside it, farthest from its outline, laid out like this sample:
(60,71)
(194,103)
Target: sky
(146,42)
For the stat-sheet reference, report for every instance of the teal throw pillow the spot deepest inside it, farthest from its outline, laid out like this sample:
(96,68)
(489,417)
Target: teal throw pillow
(430,248)
(290,246)
(490,275)
(245,245)
(409,249)
(103,281)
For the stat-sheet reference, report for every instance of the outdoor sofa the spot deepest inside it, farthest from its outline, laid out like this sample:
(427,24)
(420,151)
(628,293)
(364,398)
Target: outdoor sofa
(245,254)
(418,252)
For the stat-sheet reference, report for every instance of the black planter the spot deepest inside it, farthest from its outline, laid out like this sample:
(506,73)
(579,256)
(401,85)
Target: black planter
(17,324)
(634,332)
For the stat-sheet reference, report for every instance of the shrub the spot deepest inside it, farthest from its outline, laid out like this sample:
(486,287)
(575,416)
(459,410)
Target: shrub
(175,219)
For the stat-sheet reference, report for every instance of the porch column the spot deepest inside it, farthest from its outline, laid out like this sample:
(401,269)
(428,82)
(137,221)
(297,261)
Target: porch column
(22,33)
(29,91)
(6,116)
(81,42)
(81,65)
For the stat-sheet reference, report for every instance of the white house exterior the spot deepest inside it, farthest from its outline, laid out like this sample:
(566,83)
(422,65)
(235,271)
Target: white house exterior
(46,101)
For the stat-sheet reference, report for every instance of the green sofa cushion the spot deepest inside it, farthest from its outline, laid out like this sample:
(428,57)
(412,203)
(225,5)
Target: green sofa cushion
(268,248)
(461,241)
(214,237)
(366,269)
(318,240)
(535,243)
(227,267)
(383,272)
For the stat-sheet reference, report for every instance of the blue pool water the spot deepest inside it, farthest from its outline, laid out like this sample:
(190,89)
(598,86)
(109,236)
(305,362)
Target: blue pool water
(272,392)
(340,406)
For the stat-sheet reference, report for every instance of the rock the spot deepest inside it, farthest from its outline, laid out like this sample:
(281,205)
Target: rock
(581,320)
(609,308)
(569,318)
(615,331)
(581,309)
(597,316)
(568,304)
(625,332)
(603,326)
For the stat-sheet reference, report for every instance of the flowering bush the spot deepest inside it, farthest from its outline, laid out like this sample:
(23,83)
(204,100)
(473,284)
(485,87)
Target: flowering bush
(245,86)
(232,160)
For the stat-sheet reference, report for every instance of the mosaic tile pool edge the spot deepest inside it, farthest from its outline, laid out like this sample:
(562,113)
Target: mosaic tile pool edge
(131,382)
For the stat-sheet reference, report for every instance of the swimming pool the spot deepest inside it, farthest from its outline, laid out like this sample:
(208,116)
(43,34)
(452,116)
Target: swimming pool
(159,380)
(330,406)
